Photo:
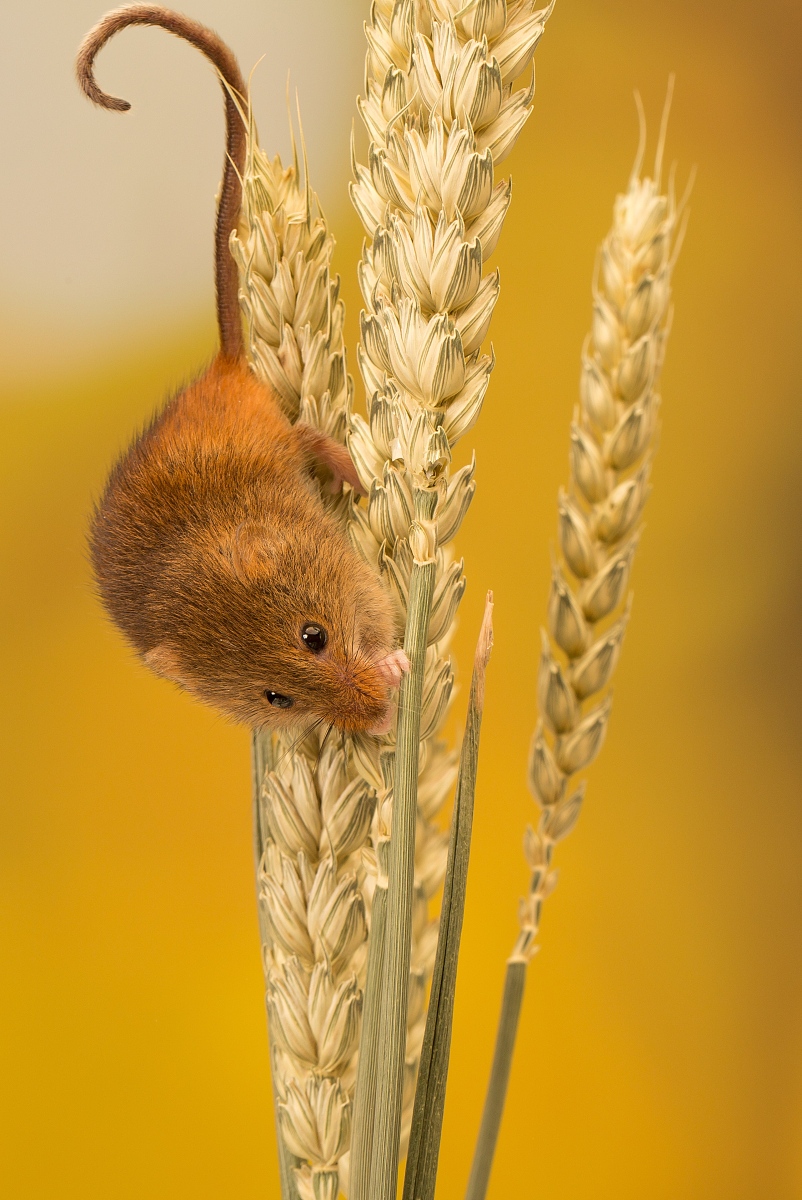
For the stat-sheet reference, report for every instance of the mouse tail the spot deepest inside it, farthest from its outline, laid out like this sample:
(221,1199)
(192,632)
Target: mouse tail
(229,320)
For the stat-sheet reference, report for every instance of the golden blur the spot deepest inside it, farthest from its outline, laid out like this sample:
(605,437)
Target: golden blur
(660,1051)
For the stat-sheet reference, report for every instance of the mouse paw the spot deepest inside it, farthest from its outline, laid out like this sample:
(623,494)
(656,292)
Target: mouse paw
(392,667)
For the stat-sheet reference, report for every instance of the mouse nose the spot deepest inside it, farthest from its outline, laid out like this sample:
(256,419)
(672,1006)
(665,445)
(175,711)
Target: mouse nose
(360,700)
(360,713)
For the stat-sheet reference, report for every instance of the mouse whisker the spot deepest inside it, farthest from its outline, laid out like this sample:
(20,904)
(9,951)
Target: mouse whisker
(343,641)
(322,746)
(353,634)
(293,746)
(325,738)
(355,687)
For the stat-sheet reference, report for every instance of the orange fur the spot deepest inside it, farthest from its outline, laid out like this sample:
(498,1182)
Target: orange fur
(212,549)
(211,546)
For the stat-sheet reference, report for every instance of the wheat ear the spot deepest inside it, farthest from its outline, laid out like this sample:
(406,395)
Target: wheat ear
(441,114)
(613,439)
(313,814)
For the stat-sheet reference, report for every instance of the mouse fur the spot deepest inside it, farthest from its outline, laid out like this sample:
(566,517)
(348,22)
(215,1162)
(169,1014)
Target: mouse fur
(211,546)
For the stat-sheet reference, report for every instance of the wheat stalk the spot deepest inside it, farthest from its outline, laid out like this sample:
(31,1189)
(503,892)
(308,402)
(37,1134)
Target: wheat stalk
(613,439)
(315,804)
(441,114)
(313,813)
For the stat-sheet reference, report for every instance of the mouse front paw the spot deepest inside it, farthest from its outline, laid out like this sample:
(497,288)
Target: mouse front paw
(393,667)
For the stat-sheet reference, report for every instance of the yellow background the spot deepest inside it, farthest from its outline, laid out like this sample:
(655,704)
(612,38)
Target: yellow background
(660,1052)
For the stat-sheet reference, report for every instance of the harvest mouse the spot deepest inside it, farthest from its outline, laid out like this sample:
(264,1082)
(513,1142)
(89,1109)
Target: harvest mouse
(212,549)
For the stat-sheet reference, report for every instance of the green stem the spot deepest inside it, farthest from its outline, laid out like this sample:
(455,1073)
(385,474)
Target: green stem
(368,1062)
(427,1116)
(499,1079)
(401,871)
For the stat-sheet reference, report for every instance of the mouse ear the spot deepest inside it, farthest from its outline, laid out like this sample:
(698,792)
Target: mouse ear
(164,661)
(324,451)
(245,547)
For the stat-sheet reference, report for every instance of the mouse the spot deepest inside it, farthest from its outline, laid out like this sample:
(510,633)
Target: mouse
(212,549)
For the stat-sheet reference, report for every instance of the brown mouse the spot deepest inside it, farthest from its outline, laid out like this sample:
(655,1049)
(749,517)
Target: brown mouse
(212,549)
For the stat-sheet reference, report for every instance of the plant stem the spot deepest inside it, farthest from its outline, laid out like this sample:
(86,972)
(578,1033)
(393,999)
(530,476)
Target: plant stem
(401,872)
(430,1094)
(499,1078)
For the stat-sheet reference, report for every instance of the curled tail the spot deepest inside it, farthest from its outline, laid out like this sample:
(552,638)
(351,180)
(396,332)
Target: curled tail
(234,92)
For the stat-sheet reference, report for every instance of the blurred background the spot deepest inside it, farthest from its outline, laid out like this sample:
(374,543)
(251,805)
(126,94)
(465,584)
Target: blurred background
(660,1051)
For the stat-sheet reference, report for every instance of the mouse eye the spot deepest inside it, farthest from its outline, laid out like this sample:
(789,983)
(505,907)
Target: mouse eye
(277,700)
(314,637)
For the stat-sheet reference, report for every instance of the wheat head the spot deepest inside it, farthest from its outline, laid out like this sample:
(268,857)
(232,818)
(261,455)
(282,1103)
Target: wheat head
(441,114)
(613,439)
(316,813)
